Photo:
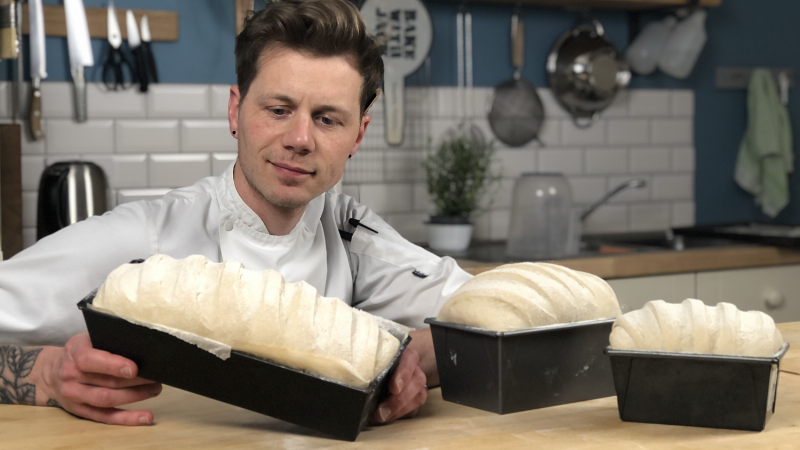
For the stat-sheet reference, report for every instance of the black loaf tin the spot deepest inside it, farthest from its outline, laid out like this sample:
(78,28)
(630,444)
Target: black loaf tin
(243,380)
(713,391)
(507,372)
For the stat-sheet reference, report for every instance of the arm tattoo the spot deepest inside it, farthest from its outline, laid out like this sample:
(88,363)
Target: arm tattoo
(16,363)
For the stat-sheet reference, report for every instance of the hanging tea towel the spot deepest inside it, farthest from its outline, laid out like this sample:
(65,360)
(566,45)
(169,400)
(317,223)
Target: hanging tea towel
(765,156)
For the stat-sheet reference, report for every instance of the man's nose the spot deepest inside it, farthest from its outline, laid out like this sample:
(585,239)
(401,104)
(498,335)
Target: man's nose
(299,135)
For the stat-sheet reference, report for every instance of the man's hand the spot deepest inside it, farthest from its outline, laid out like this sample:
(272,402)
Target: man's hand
(91,383)
(408,387)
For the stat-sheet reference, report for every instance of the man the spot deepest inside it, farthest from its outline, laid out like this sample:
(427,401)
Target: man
(306,71)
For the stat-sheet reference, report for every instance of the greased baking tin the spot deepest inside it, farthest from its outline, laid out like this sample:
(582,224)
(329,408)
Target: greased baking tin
(259,385)
(506,372)
(714,391)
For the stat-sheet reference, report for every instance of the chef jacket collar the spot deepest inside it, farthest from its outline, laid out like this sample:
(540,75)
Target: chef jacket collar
(232,201)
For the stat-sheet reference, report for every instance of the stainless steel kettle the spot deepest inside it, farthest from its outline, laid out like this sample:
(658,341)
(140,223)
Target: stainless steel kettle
(70,192)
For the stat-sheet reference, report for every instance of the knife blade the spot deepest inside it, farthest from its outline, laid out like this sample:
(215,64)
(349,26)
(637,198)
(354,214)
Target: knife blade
(80,52)
(38,66)
(135,43)
(147,50)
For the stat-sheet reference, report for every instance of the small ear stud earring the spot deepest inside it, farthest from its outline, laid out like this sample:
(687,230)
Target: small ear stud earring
(233,132)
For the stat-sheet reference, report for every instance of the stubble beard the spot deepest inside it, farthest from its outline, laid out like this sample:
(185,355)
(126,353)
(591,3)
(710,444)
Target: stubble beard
(283,204)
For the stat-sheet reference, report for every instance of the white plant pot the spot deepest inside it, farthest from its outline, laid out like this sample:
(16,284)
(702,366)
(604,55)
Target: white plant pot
(445,237)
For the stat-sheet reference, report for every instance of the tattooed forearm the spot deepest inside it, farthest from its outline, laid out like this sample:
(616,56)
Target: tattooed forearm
(16,364)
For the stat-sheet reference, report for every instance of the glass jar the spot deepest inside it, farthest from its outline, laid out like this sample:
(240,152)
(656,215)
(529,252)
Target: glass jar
(543,224)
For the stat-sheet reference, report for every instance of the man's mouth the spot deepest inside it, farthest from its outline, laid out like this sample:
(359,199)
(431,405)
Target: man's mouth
(292,169)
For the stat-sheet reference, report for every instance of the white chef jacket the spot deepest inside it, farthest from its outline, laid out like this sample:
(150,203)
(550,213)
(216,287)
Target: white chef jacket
(378,271)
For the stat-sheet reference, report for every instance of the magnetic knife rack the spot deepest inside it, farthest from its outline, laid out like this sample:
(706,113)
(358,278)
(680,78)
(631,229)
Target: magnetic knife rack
(163,24)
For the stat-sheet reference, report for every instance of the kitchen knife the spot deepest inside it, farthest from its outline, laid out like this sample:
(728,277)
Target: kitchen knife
(9,44)
(135,43)
(80,52)
(38,66)
(148,52)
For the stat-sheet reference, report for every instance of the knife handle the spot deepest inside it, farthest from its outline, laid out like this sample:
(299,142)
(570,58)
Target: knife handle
(9,45)
(141,71)
(151,62)
(79,84)
(36,112)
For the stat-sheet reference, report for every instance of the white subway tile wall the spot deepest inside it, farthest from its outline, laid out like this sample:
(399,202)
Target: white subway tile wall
(148,136)
(176,134)
(206,136)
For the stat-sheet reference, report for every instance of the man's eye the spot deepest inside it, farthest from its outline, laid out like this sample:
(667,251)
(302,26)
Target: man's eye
(278,111)
(326,120)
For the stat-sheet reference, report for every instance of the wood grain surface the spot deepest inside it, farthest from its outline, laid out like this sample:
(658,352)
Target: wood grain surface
(667,262)
(185,420)
(604,4)
(163,24)
(10,189)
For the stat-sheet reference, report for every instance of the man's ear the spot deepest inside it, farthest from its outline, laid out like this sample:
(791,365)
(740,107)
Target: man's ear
(361,130)
(233,110)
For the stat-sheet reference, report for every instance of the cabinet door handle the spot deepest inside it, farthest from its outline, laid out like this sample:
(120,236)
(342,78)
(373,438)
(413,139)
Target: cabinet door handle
(774,299)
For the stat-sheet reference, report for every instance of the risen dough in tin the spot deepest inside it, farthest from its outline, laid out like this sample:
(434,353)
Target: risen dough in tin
(526,295)
(253,311)
(692,327)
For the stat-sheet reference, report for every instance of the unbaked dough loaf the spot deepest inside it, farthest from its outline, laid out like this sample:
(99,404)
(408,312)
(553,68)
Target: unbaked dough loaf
(527,295)
(692,327)
(254,312)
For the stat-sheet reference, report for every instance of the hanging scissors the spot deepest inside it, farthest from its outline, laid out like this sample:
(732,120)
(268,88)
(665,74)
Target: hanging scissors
(118,71)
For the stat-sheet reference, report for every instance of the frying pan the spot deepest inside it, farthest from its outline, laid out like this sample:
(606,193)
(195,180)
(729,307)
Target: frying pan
(517,112)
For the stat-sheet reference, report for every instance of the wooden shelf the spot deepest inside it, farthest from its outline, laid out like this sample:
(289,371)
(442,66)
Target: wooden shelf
(600,4)
(163,24)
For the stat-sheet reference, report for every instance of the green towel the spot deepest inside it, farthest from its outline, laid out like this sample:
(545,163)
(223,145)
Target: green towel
(765,156)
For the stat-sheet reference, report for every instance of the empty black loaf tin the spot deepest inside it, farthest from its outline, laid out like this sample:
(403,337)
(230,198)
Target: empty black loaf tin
(506,372)
(713,391)
(243,380)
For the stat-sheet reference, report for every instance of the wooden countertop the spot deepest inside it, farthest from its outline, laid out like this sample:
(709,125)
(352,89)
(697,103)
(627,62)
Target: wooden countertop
(185,420)
(667,262)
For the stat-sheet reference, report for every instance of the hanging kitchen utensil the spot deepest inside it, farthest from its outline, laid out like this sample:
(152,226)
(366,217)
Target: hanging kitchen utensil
(466,93)
(404,29)
(9,44)
(80,52)
(135,44)
(148,51)
(517,112)
(118,70)
(586,71)
(38,67)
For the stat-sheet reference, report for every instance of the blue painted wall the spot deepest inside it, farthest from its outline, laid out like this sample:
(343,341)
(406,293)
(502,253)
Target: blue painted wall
(741,33)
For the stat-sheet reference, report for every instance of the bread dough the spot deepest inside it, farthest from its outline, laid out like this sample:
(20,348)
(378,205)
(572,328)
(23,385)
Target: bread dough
(692,327)
(526,295)
(252,311)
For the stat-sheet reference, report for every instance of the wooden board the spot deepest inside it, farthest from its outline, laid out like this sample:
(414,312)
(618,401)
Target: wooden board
(242,7)
(163,24)
(666,262)
(11,189)
(601,4)
(185,420)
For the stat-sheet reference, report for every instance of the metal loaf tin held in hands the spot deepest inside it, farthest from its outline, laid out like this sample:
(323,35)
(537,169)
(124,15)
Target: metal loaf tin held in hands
(713,391)
(507,372)
(243,380)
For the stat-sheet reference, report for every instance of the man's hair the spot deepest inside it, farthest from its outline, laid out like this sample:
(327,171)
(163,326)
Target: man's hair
(315,27)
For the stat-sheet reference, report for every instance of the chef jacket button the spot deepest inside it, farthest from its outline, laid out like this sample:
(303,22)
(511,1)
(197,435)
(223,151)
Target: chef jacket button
(228,225)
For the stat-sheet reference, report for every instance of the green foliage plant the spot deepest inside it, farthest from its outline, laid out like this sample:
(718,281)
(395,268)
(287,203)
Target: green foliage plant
(458,174)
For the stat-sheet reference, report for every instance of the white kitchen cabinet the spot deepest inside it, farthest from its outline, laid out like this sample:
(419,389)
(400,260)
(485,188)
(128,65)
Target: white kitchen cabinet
(633,293)
(773,290)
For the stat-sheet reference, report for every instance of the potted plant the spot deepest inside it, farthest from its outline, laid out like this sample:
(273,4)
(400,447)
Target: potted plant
(458,174)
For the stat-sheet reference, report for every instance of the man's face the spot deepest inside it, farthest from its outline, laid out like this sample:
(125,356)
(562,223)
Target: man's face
(297,126)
